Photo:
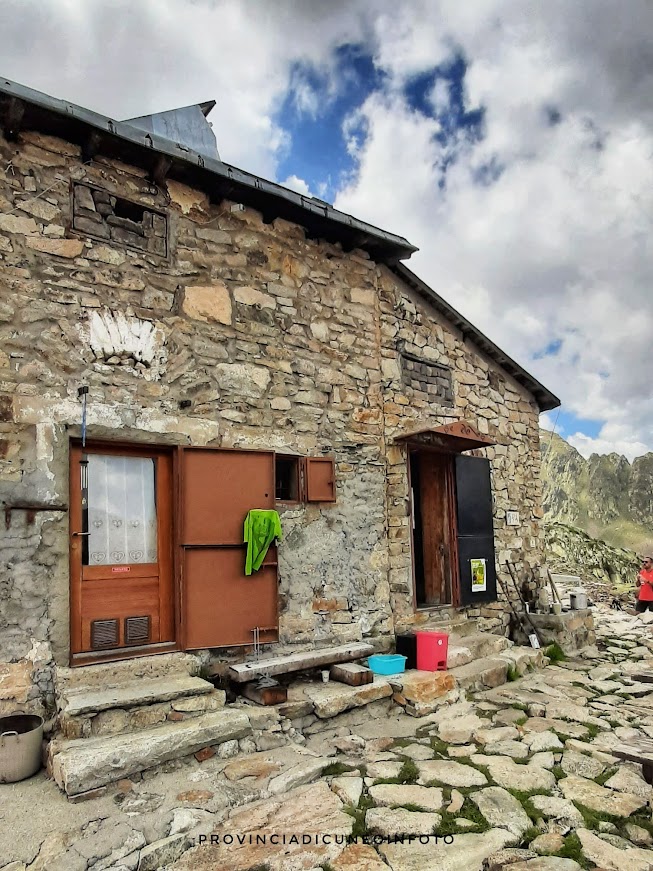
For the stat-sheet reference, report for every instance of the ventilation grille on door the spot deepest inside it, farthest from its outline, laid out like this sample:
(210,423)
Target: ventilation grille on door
(104,633)
(137,630)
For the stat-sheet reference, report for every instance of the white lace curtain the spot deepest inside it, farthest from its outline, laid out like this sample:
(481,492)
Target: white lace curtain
(121,510)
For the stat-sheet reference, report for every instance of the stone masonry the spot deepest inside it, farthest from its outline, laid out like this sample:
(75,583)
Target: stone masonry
(222,329)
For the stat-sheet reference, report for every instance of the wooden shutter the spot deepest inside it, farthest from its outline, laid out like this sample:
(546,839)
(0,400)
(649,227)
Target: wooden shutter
(221,606)
(475,529)
(320,479)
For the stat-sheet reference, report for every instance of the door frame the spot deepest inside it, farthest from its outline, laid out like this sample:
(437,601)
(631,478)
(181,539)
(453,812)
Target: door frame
(450,483)
(133,448)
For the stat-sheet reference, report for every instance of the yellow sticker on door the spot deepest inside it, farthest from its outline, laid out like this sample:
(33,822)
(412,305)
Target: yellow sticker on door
(479,577)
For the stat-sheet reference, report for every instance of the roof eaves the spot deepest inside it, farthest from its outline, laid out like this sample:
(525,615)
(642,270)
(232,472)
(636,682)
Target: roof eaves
(320,219)
(544,398)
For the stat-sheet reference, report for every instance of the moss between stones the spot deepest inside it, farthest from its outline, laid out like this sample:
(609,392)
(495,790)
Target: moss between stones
(529,835)
(601,779)
(524,798)
(558,772)
(468,811)
(359,829)
(408,773)
(440,747)
(572,849)
(336,768)
(512,674)
(593,818)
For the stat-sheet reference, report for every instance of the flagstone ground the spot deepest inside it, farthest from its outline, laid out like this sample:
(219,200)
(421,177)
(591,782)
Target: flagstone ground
(520,775)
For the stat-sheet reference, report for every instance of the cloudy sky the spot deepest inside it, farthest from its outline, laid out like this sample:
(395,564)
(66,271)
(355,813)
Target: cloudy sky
(511,141)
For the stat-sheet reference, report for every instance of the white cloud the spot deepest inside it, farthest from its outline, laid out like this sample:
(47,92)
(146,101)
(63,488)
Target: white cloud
(558,247)
(297,184)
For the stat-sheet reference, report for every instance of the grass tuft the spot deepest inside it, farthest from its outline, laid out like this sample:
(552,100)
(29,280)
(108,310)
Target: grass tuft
(555,653)
(529,835)
(572,849)
(601,779)
(592,818)
(335,768)
(558,772)
(512,674)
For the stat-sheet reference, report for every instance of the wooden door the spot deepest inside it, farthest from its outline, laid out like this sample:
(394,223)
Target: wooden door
(120,549)
(221,606)
(433,532)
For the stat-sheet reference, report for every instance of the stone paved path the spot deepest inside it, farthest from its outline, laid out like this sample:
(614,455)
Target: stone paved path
(520,776)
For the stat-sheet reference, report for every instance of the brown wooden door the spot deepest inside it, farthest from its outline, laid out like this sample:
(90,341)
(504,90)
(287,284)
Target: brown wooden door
(434,536)
(120,548)
(221,606)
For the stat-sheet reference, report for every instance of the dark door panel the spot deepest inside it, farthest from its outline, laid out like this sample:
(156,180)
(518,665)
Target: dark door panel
(473,496)
(474,548)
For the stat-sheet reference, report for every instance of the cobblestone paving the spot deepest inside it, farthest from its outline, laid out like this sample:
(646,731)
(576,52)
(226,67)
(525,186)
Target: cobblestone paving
(530,784)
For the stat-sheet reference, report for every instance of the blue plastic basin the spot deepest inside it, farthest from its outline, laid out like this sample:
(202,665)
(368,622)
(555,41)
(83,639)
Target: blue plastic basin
(387,663)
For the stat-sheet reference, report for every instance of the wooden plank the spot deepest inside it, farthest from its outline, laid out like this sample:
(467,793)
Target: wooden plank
(299,661)
(276,695)
(352,674)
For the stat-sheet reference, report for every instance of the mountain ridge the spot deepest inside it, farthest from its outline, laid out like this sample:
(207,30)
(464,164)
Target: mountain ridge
(606,496)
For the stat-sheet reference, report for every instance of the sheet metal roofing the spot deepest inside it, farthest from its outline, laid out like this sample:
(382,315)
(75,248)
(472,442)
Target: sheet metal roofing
(25,108)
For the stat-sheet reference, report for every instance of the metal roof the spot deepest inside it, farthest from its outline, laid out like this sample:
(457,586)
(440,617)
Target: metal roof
(22,107)
(25,107)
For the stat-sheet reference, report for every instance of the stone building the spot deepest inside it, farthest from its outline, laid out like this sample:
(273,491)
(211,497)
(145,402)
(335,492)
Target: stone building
(242,346)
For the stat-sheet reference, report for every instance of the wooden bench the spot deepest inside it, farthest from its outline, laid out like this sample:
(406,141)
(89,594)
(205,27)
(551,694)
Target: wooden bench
(638,751)
(248,671)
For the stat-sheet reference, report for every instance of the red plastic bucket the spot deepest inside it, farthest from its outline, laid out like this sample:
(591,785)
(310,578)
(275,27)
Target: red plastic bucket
(432,650)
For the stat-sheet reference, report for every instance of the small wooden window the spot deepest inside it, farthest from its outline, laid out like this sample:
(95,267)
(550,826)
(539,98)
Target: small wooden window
(287,472)
(320,479)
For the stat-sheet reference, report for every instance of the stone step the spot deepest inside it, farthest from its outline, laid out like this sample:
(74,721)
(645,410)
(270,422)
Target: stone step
(109,674)
(84,764)
(491,671)
(148,691)
(476,645)
(448,620)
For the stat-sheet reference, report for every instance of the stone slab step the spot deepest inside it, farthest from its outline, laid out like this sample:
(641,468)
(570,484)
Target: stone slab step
(481,673)
(331,699)
(476,645)
(84,764)
(137,693)
(106,674)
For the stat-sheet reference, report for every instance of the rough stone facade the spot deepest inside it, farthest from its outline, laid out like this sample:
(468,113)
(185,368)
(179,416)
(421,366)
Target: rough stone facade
(245,334)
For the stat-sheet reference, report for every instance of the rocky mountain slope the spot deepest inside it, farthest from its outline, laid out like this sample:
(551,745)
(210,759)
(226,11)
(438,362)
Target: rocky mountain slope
(605,571)
(606,496)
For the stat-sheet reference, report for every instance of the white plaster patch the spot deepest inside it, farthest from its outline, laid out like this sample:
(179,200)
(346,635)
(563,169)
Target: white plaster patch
(125,339)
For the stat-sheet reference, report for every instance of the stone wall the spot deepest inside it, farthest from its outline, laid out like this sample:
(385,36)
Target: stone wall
(487,398)
(245,334)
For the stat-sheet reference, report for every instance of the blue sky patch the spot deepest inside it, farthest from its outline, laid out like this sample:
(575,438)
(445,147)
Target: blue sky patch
(318,152)
(569,424)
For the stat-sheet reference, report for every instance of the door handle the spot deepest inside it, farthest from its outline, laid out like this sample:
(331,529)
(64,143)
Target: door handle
(81,533)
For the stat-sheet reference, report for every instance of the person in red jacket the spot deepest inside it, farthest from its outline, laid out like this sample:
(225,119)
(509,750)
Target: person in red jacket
(645,584)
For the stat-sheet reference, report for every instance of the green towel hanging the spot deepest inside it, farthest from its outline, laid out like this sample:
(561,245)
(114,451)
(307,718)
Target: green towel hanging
(261,528)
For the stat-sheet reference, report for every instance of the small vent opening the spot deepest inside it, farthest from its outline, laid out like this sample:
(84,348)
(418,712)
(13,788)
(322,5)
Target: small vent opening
(104,633)
(137,630)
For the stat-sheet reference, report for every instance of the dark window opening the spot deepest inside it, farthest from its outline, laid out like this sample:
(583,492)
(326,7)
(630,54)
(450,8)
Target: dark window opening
(103,215)
(287,478)
(129,211)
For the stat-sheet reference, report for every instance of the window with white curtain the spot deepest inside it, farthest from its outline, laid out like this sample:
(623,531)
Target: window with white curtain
(121,510)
